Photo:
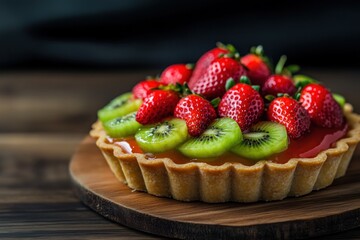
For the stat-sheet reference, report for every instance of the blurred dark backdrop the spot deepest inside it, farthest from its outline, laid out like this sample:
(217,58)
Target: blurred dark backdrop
(128,34)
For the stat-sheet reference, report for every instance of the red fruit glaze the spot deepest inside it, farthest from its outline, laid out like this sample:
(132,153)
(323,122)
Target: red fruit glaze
(158,105)
(310,145)
(288,112)
(257,70)
(278,84)
(243,104)
(324,111)
(197,112)
(212,84)
(307,146)
(144,88)
(203,62)
(176,73)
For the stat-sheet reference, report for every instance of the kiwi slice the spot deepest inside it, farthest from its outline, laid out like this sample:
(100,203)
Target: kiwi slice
(263,140)
(118,107)
(217,139)
(122,126)
(162,136)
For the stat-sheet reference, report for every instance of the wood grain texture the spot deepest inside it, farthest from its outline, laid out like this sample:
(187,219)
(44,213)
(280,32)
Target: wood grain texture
(36,196)
(58,102)
(334,209)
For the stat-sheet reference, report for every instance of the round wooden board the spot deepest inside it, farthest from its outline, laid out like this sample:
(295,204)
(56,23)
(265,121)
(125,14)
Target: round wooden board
(334,209)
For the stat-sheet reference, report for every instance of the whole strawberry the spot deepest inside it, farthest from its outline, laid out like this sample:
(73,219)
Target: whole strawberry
(144,88)
(204,61)
(243,104)
(212,84)
(197,112)
(288,112)
(176,73)
(324,111)
(156,106)
(276,84)
(257,66)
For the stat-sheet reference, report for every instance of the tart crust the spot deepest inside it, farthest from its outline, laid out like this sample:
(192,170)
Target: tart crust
(235,182)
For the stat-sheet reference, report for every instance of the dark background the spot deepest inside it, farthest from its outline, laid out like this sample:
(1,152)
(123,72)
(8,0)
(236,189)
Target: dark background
(151,34)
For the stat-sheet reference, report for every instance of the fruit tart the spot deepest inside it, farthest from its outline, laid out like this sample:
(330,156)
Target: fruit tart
(228,128)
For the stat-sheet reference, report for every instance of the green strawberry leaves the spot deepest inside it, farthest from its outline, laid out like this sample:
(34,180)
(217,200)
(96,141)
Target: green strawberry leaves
(303,80)
(339,99)
(288,70)
(232,51)
(229,83)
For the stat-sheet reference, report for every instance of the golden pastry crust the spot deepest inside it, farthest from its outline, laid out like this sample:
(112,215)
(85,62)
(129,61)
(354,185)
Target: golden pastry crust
(235,182)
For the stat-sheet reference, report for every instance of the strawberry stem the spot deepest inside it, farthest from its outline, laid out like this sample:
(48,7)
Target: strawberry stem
(229,83)
(231,48)
(302,80)
(256,87)
(232,52)
(280,65)
(293,68)
(234,55)
(190,66)
(258,50)
(269,97)
(185,90)
(215,102)
(245,79)
(237,56)
(339,99)
(181,90)
(221,45)
(151,78)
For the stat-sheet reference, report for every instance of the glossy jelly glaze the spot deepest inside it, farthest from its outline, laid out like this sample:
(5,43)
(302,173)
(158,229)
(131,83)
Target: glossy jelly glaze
(309,145)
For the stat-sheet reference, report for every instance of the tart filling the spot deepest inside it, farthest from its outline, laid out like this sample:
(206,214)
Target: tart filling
(308,146)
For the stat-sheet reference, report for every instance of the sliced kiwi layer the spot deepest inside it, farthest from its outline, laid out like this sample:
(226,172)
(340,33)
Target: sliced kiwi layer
(218,138)
(118,107)
(122,126)
(264,139)
(162,136)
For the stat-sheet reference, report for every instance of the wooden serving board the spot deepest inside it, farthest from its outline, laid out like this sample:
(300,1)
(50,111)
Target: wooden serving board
(334,209)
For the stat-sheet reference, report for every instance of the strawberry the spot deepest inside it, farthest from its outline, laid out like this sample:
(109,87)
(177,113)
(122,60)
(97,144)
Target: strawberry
(176,73)
(257,69)
(197,112)
(324,111)
(276,84)
(288,112)
(144,88)
(156,106)
(212,84)
(204,61)
(257,65)
(243,104)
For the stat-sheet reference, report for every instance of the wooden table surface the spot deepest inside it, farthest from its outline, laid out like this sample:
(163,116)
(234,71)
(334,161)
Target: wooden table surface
(43,117)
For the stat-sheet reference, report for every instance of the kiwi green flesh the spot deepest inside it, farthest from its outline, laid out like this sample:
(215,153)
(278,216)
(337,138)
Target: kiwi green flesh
(122,126)
(162,136)
(264,139)
(217,139)
(118,107)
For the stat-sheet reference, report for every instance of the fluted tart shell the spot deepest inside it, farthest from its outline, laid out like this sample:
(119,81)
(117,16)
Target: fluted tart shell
(265,180)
